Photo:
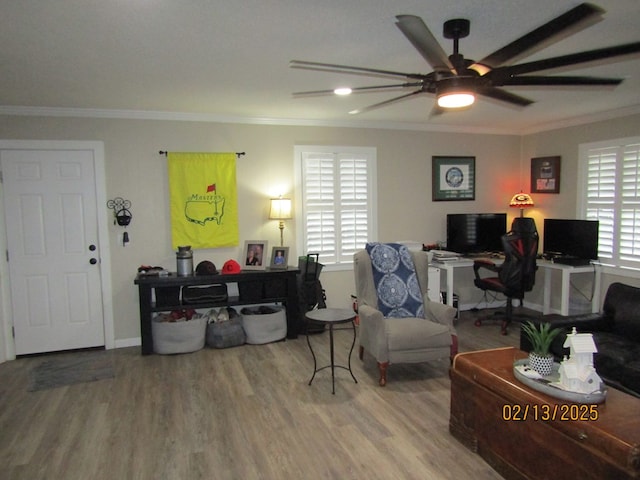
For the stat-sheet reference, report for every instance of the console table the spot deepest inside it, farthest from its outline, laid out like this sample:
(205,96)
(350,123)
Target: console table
(525,434)
(261,286)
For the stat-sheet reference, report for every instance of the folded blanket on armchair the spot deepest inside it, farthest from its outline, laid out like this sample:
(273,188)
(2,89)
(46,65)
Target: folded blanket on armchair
(395,279)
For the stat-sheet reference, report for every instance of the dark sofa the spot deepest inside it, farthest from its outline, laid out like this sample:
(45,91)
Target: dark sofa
(616,332)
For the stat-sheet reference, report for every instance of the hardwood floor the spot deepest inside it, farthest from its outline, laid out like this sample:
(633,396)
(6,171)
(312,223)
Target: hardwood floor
(240,413)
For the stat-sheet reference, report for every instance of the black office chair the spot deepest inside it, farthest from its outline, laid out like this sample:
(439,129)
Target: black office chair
(516,275)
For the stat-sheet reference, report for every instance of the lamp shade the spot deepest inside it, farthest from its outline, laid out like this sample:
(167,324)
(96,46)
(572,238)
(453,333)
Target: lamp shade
(521,200)
(280,209)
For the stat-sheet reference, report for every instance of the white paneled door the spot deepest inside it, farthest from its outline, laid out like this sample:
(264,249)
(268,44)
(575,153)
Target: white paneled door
(53,249)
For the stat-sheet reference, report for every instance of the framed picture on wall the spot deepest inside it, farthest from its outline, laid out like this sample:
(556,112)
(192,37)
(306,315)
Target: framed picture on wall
(279,258)
(453,178)
(545,175)
(255,252)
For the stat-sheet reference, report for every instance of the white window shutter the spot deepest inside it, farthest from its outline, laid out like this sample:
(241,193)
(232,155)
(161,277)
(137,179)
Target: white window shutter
(612,194)
(337,201)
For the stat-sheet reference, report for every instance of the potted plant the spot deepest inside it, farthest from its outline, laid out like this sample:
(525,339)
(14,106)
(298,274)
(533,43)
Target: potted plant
(540,337)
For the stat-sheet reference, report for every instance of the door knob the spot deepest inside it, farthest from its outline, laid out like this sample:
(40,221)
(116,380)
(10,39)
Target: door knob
(93,261)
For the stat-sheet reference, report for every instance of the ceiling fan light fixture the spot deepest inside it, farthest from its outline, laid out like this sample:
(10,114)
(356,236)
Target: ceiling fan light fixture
(455,93)
(342,91)
(456,100)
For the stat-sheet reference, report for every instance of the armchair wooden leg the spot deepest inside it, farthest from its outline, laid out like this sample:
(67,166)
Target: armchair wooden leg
(454,346)
(382,366)
(361,352)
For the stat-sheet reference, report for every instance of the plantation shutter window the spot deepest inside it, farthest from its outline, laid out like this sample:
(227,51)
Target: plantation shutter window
(612,196)
(337,201)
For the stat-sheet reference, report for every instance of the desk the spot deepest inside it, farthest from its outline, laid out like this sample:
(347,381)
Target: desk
(331,317)
(549,267)
(264,286)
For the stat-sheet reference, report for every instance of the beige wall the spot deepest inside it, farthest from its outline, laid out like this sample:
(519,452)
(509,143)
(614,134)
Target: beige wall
(135,171)
(565,142)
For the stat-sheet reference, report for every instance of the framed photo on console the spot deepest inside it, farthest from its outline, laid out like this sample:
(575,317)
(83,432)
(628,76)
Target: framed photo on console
(279,258)
(453,178)
(254,255)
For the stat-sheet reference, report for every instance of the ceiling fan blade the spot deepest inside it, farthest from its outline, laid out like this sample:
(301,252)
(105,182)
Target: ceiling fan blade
(504,96)
(565,60)
(559,80)
(566,24)
(360,89)
(386,102)
(423,40)
(330,67)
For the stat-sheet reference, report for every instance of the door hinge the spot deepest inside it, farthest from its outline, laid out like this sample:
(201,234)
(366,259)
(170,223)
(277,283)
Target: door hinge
(13,331)
(7,252)
(1,177)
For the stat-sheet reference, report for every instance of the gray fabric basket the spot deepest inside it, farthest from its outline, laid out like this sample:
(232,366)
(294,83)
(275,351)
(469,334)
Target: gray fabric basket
(178,337)
(264,324)
(226,334)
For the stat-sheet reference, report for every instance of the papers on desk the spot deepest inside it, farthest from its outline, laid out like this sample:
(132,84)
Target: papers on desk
(444,255)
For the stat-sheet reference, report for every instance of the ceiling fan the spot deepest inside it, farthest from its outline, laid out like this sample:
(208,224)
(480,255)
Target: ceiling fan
(455,80)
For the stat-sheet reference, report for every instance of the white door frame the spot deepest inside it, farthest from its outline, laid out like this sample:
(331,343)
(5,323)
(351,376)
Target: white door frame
(7,345)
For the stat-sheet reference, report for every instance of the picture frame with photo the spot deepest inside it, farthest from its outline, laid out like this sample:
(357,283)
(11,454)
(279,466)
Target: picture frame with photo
(279,258)
(254,255)
(545,174)
(453,178)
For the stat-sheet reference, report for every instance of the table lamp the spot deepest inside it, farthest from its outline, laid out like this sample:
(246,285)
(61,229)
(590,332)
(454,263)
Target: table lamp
(280,210)
(521,201)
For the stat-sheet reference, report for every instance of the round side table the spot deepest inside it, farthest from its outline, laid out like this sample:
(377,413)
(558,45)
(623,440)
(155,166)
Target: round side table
(331,317)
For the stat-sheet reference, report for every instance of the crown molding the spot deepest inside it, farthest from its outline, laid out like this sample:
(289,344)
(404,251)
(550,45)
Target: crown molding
(298,122)
(582,120)
(215,118)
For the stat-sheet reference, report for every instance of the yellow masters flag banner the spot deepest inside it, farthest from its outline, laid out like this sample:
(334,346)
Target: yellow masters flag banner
(203,199)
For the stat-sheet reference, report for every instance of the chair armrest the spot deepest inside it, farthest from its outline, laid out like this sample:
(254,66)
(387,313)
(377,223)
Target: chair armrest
(440,313)
(372,335)
(587,322)
(584,323)
(486,264)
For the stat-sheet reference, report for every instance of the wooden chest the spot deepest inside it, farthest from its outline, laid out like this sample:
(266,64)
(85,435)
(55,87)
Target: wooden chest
(524,434)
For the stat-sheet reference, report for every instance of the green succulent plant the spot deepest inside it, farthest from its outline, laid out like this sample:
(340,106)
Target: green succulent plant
(540,336)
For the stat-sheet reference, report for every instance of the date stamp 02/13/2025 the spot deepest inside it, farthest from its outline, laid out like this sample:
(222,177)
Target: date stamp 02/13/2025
(564,412)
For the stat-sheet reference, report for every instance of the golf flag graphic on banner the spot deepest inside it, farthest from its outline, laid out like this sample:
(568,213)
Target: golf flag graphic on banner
(203,199)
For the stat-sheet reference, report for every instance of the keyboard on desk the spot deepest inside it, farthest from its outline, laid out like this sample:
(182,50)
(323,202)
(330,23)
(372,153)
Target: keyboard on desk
(487,255)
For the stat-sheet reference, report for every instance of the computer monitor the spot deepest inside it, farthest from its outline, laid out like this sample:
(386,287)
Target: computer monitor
(571,238)
(475,232)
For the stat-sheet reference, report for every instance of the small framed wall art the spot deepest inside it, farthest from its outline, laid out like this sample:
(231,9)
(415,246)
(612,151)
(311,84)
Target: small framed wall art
(279,258)
(545,175)
(254,255)
(453,178)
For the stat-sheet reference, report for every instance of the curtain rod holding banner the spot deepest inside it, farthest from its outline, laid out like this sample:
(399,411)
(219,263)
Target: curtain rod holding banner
(238,154)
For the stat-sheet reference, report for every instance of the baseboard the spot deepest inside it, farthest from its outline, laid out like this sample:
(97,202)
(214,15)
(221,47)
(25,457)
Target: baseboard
(128,342)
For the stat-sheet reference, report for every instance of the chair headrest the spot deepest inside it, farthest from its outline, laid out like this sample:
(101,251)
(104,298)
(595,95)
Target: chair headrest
(524,225)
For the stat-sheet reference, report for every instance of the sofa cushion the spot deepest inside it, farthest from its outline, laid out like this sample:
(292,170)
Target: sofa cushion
(613,353)
(395,279)
(414,333)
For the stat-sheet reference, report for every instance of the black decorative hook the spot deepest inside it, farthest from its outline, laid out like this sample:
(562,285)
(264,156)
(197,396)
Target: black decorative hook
(121,211)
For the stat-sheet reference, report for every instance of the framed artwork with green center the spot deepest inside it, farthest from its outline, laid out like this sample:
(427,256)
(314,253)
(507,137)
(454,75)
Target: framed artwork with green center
(453,178)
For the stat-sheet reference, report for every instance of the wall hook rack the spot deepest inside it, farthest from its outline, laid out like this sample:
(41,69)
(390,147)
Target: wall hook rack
(122,214)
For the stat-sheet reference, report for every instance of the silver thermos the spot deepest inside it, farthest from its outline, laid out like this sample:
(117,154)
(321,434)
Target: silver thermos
(184,257)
